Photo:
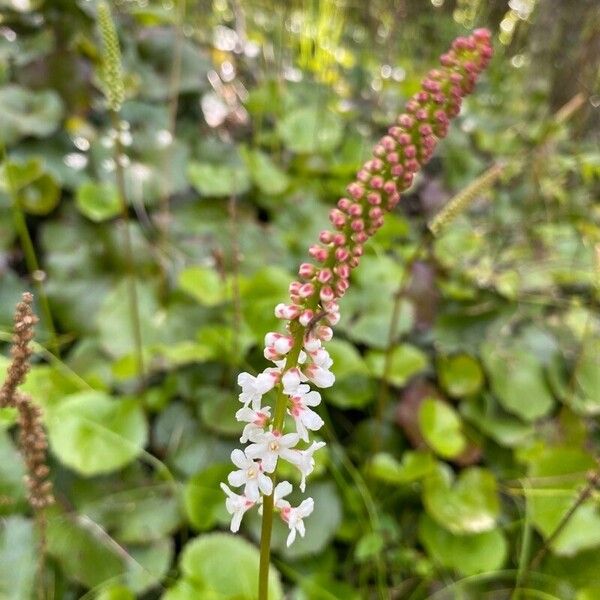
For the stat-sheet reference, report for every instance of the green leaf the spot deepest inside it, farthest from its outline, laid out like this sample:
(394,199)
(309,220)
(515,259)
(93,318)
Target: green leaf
(217,409)
(203,284)
(18,558)
(40,197)
(218,180)
(460,375)
(224,567)
(468,505)
(98,201)
(16,175)
(441,428)
(351,391)
(518,381)
(346,359)
(563,471)
(24,113)
(465,554)
(414,466)
(265,174)
(205,500)
(93,433)
(587,377)
(406,361)
(308,130)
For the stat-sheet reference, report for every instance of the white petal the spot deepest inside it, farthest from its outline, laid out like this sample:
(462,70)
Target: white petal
(265,484)
(239,459)
(237,478)
(289,440)
(251,490)
(236,521)
(282,489)
(312,420)
(310,399)
(269,462)
(291,538)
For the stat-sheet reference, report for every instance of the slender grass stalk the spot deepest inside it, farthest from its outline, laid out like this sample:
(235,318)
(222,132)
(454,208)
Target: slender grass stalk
(114,91)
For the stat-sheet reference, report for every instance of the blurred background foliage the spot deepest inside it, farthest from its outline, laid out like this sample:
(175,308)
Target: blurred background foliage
(463,427)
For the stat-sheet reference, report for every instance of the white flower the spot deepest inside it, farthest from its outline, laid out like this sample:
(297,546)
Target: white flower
(304,417)
(236,506)
(291,380)
(321,358)
(250,475)
(320,376)
(253,388)
(256,419)
(270,445)
(303,459)
(292,516)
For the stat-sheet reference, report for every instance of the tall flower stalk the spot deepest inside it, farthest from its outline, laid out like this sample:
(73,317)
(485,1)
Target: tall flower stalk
(299,356)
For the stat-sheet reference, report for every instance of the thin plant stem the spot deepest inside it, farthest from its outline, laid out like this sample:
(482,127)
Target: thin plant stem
(593,481)
(31,261)
(134,314)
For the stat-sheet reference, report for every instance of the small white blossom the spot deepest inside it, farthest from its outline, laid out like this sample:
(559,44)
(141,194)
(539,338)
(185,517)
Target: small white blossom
(270,445)
(320,376)
(251,475)
(253,388)
(256,419)
(303,459)
(303,416)
(292,516)
(236,506)
(291,380)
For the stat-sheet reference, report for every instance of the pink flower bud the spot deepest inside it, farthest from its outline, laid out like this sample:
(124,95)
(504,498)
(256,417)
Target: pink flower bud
(324,333)
(358,250)
(363,175)
(342,271)
(306,317)
(425,129)
(405,121)
(318,252)
(339,239)
(357,225)
(306,271)
(389,187)
(341,254)
(375,212)
(294,287)
(325,237)
(393,158)
(404,139)
(324,275)
(388,143)
(355,210)
(356,190)
(287,311)
(397,170)
(344,203)
(375,198)
(326,294)
(421,114)
(360,237)
(377,182)
(337,218)
(354,261)
(307,290)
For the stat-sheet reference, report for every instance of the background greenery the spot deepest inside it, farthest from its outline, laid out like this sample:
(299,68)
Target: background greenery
(464,421)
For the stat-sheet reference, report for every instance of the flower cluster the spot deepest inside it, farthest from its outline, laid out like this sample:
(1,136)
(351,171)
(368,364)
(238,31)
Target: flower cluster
(298,354)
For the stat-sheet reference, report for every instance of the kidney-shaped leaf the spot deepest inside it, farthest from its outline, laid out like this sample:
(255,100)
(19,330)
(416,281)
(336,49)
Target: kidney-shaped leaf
(93,433)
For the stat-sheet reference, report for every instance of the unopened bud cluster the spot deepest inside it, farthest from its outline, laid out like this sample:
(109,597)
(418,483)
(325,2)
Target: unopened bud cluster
(32,437)
(299,356)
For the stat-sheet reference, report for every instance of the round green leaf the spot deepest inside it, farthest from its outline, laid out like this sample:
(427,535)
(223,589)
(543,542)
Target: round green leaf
(93,433)
(203,284)
(465,554)
(98,201)
(218,180)
(311,129)
(414,466)
(39,197)
(24,113)
(460,375)
(226,567)
(518,381)
(468,505)
(266,175)
(441,428)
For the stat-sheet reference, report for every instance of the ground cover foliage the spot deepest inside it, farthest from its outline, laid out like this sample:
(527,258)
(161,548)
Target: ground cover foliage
(462,429)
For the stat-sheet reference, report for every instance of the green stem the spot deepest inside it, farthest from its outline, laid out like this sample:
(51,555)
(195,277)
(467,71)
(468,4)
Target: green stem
(132,294)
